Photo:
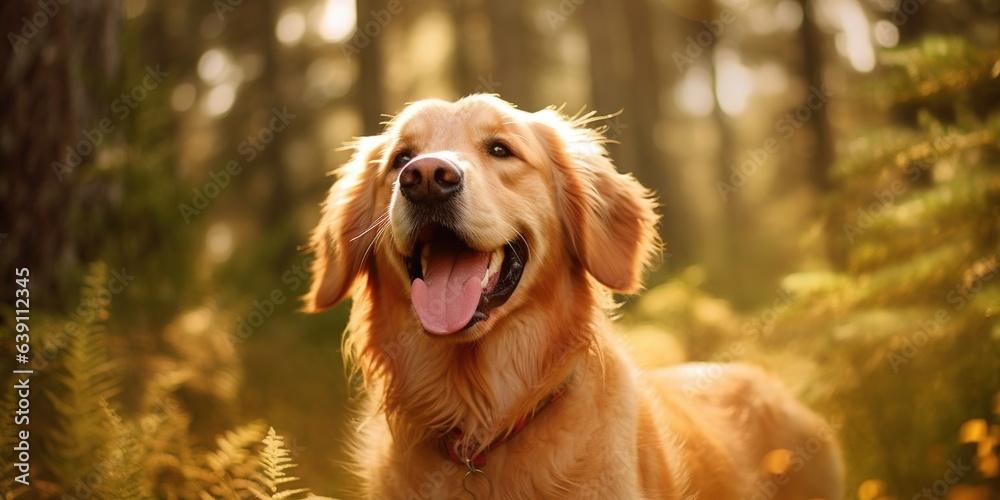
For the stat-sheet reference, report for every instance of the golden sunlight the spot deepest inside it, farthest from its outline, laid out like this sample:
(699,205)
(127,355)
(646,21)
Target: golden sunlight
(290,28)
(338,21)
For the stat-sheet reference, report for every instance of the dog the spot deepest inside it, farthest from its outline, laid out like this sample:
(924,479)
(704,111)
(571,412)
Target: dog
(482,245)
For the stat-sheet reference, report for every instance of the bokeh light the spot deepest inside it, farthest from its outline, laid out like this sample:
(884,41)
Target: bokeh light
(291,27)
(337,21)
(694,93)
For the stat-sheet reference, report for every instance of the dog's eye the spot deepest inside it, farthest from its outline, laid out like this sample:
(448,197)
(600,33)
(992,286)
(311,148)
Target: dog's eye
(401,159)
(498,150)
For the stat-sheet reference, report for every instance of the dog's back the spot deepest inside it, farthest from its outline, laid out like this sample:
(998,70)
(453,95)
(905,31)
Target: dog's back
(736,417)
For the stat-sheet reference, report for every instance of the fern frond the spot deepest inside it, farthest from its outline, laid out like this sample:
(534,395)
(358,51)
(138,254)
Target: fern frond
(226,472)
(274,461)
(87,378)
(122,470)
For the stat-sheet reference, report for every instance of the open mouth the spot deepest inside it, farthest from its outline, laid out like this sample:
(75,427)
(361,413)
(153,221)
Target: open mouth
(453,285)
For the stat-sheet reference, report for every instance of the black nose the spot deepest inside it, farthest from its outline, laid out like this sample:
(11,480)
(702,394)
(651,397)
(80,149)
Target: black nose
(430,180)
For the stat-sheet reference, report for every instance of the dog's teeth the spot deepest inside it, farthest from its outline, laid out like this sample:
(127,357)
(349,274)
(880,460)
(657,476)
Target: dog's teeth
(496,259)
(425,253)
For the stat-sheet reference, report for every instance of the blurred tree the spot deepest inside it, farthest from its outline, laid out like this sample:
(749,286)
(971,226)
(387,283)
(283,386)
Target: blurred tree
(369,88)
(624,41)
(515,43)
(59,67)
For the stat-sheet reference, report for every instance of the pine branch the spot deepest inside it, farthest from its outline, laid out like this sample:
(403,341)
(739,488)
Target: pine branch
(939,68)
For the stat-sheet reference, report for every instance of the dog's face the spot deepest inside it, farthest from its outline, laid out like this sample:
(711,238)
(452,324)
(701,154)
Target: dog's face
(473,207)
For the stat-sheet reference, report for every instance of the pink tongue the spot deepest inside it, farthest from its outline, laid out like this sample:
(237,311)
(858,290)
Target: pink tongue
(447,297)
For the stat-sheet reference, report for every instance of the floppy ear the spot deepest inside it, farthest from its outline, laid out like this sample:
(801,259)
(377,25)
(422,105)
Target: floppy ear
(608,216)
(344,233)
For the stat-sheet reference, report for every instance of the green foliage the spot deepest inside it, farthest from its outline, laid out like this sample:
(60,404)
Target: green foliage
(912,318)
(94,450)
(229,470)
(123,460)
(900,342)
(88,378)
(937,70)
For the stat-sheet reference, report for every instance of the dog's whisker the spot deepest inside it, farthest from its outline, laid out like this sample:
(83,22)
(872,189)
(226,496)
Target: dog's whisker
(519,235)
(380,221)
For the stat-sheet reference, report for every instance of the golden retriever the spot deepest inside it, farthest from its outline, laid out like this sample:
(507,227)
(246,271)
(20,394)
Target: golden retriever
(481,245)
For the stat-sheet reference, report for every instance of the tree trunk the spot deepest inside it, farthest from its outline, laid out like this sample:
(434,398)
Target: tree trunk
(369,87)
(653,168)
(821,157)
(55,85)
(514,53)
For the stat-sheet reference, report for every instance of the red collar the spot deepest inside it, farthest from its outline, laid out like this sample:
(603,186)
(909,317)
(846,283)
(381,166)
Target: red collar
(449,441)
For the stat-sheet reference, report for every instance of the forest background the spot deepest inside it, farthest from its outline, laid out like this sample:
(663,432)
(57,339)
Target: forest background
(828,174)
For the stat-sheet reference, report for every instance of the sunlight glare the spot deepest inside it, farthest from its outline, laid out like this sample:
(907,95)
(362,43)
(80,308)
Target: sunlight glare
(972,431)
(788,15)
(886,34)
(871,489)
(218,100)
(219,242)
(694,93)
(733,82)
(338,21)
(777,461)
(213,66)
(197,320)
(857,44)
(290,27)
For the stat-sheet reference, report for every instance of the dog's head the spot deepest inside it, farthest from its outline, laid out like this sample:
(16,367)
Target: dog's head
(472,208)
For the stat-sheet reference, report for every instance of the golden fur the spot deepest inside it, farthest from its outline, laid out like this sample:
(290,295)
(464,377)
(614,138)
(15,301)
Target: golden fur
(693,431)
